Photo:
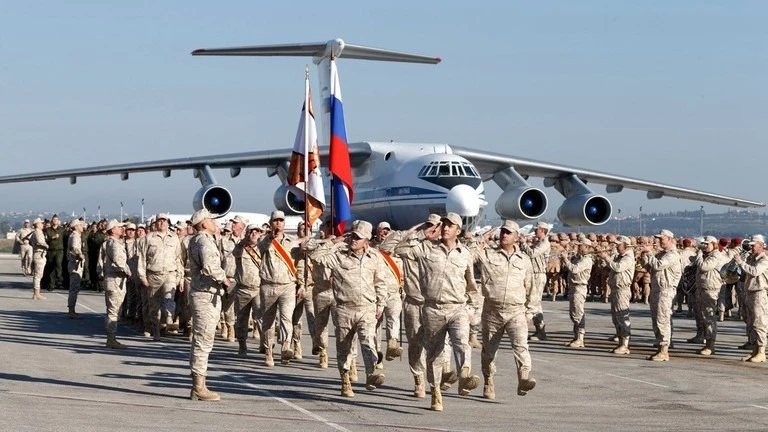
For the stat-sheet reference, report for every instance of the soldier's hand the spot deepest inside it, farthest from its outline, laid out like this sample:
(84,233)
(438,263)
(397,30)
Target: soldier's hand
(737,259)
(299,295)
(180,288)
(144,281)
(226,283)
(379,314)
(433,233)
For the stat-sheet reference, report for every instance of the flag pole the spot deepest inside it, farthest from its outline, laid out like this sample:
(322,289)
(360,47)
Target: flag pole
(306,147)
(333,196)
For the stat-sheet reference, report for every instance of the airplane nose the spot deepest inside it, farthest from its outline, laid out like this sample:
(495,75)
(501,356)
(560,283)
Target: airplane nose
(464,200)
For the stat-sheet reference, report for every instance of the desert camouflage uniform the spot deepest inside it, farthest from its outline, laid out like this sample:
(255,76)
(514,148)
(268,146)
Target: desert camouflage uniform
(160,266)
(74,267)
(116,270)
(666,270)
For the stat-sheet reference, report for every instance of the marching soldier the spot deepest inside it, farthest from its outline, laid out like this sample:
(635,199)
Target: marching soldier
(360,293)
(247,298)
(278,286)
(666,270)
(394,306)
(622,267)
(450,294)
(39,249)
(324,303)
(579,270)
(304,300)
(539,254)
(507,274)
(75,265)
(25,249)
(209,282)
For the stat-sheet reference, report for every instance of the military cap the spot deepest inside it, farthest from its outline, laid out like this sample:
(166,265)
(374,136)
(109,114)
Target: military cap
(200,216)
(384,225)
(623,240)
(130,225)
(114,224)
(277,214)
(362,228)
(161,216)
(511,226)
(665,233)
(757,238)
(710,239)
(452,218)
(75,223)
(240,219)
(433,218)
(543,225)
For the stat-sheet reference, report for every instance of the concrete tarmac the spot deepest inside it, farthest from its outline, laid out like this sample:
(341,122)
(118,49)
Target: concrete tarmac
(57,375)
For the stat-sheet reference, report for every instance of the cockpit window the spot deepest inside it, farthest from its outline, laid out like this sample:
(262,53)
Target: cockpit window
(449,169)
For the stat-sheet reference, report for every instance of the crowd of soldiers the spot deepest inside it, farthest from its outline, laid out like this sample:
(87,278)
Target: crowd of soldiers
(445,286)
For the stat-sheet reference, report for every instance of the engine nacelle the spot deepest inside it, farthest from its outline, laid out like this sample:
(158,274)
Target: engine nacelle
(521,203)
(287,202)
(587,209)
(216,199)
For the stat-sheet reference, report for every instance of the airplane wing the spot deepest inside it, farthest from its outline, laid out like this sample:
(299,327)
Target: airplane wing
(490,163)
(358,153)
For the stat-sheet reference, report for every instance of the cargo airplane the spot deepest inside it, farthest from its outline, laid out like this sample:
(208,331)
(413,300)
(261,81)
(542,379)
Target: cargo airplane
(403,182)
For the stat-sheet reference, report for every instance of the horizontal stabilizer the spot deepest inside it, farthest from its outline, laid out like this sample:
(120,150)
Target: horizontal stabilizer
(319,50)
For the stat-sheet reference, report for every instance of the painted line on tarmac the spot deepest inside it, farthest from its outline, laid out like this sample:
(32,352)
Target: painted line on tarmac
(759,406)
(81,304)
(289,403)
(637,380)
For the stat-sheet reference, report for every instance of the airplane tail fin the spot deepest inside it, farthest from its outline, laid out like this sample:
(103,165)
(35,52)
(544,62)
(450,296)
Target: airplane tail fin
(319,51)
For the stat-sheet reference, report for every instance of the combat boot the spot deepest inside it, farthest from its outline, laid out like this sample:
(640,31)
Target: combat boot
(759,356)
(346,385)
(696,339)
(488,391)
(623,348)
(708,349)
(268,360)
(323,359)
(661,355)
(286,356)
(72,314)
(721,316)
(200,391)
(437,400)
(379,360)
(473,342)
(467,382)
(448,379)
(230,333)
(393,351)
(747,346)
(524,382)
(353,371)
(578,342)
(373,381)
(37,296)
(242,350)
(418,386)
(614,338)
(113,343)
(541,333)
(297,353)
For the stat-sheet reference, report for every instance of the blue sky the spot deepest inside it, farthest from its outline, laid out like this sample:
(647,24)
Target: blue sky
(668,91)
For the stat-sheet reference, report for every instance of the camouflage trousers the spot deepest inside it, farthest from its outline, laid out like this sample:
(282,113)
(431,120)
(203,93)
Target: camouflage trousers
(306,305)
(661,314)
(38,268)
(228,309)
(390,320)
(360,322)
(75,278)
(707,309)
(498,319)
(324,304)
(415,336)
(439,320)
(247,305)
(114,294)
(277,300)
(577,296)
(620,299)
(25,252)
(162,288)
(206,308)
(533,309)
(757,303)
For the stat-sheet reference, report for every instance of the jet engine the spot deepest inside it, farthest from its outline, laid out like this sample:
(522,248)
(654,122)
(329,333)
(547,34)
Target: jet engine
(521,203)
(585,209)
(288,202)
(216,199)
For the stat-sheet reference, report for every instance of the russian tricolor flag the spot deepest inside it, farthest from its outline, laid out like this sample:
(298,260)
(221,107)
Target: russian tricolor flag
(338,164)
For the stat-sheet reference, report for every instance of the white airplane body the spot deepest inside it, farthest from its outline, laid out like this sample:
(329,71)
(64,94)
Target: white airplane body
(403,183)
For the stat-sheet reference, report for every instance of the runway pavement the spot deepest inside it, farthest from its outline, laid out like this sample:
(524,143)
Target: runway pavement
(57,375)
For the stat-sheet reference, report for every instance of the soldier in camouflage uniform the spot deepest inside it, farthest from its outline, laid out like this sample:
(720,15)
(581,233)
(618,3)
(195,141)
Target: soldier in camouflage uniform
(25,249)
(579,269)
(621,266)
(209,282)
(116,271)
(450,295)
(39,249)
(247,298)
(539,254)
(506,276)
(360,292)
(75,265)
